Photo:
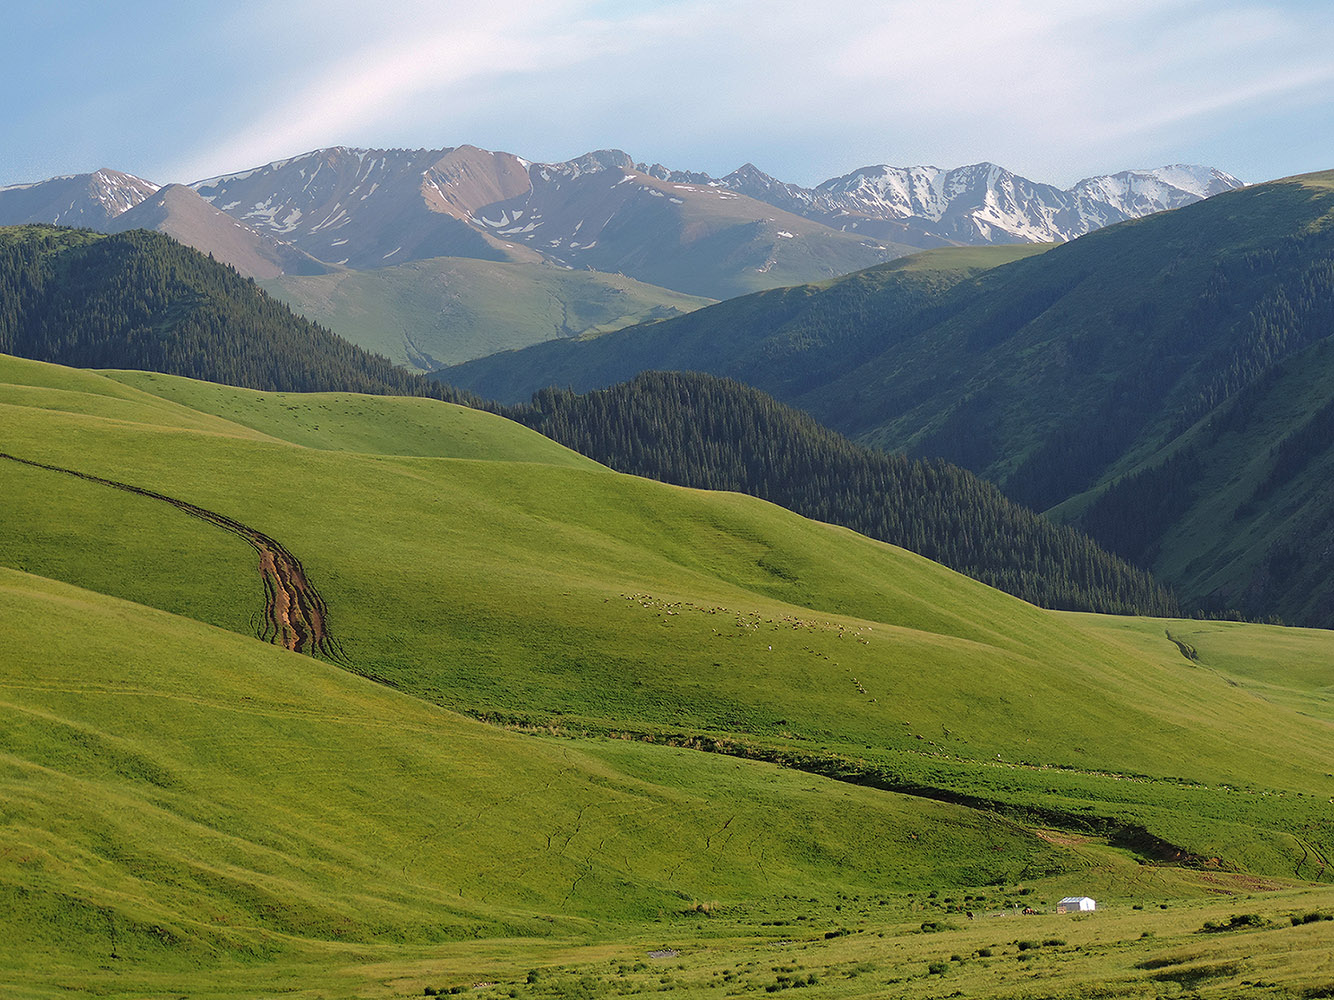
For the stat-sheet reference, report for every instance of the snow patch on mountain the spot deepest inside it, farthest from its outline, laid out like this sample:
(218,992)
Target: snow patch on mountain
(983,202)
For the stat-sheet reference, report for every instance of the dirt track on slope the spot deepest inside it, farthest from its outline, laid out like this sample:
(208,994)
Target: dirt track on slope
(295,615)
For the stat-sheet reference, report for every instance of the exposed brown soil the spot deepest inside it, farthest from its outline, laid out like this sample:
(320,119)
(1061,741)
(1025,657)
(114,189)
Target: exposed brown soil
(295,615)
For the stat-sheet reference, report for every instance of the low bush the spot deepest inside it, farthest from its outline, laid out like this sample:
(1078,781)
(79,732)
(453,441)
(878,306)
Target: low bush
(1309,918)
(1238,921)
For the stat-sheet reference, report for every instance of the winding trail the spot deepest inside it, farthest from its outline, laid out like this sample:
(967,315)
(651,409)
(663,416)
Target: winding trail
(295,615)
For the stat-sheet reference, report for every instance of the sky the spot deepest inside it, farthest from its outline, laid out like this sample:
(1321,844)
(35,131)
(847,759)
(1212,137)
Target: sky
(1055,90)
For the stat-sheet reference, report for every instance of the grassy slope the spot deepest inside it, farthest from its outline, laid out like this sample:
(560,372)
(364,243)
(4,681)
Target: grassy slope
(531,592)
(188,812)
(498,586)
(773,339)
(388,425)
(444,311)
(189,790)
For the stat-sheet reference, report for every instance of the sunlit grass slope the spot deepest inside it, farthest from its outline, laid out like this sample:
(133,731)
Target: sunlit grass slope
(344,421)
(536,589)
(174,791)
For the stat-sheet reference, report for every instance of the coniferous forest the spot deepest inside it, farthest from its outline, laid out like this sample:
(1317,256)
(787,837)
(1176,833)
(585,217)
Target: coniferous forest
(141,300)
(711,433)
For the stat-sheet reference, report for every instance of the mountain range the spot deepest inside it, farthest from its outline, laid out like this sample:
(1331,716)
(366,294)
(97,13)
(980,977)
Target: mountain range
(367,208)
(926,206)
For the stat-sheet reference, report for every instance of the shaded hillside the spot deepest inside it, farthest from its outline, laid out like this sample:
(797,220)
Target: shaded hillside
(1239,506)
(141,300)
(1058,375)
(715,434)
(785,341)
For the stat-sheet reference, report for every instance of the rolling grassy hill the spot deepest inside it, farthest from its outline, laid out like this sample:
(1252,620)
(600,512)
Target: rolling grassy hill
(1166,362)
(210,808)
(431,313)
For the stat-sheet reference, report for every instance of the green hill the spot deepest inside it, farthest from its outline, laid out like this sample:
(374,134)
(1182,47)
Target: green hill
(213,810)
(783,340)
(697,430)
(427,314)
(1162,359)
(141,300)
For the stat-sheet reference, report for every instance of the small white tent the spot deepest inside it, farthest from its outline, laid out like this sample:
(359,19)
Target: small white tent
(1076,904)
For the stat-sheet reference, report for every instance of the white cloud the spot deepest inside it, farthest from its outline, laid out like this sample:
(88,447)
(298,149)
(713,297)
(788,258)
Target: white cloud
(437,50)
(1041,85)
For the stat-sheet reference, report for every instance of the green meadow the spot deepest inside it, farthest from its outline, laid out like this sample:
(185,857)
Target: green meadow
(506,782)
(431,313)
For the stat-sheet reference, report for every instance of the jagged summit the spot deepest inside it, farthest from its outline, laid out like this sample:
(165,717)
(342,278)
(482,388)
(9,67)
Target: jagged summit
(90,200)
(984,202)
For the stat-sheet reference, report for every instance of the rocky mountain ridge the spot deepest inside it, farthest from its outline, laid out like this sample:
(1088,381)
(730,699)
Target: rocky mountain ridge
(979,203)
(366,209)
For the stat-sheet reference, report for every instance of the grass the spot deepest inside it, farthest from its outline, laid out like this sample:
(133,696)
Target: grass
(174,791)
(431,313)
(530,597)
(254,820)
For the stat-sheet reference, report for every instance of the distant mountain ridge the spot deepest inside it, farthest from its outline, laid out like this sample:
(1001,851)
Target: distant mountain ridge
(686,230)
(981,203)
(90,200)
(184,216)
(369,208)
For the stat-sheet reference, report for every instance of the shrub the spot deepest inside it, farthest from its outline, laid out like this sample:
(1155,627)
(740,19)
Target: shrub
(1309,918)
(937,968)
(1054,942)
(1237,922)
(984,953)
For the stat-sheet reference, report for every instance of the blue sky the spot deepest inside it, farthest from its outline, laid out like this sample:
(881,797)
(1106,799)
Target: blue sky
(1053,89)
